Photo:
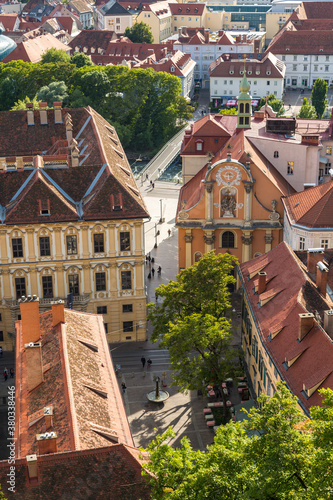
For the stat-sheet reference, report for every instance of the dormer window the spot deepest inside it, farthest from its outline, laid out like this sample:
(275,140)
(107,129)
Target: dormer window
(199,145)
(268,72)
(44,207)
(92,50)
(231,72)
(172,69)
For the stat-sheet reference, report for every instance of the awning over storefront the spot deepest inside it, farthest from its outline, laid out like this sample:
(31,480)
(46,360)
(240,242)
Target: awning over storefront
(323,159)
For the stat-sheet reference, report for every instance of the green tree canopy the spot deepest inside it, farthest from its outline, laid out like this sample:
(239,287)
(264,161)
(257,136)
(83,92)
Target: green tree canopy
(56,91)
(231,111)
(54,56)
(274,103)
(319,96)
(307,111)
(80,59)
(191,322)
(21,104)
(140,33)
(277,454)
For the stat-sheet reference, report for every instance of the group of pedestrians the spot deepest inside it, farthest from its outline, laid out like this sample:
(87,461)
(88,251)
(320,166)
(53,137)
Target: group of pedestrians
(5,374)
(150,261)
(143,361)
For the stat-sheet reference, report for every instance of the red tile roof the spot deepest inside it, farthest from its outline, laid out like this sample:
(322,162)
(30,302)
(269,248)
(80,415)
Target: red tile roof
(102,180)
(311,208)
(302,42)
(32,50)
(268,67)
(95,450)
(8,21)
(299,295)
(187,9)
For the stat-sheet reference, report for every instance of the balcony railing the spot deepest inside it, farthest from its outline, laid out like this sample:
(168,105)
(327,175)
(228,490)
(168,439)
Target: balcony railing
(77,299)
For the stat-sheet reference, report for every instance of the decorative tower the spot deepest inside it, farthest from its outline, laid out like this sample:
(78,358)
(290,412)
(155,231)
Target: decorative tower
(244,103)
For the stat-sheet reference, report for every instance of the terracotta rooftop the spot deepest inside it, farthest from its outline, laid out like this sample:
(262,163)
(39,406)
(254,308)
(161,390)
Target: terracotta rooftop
(79,388)
(32,50)
(303,42)
(8,21)
(102,186)
(268,67)
(311,208)
(278,321)
(187,9)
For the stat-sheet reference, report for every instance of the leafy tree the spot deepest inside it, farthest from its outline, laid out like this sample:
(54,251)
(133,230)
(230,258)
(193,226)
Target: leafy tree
(56,91)
(78,100)
(275,104)
(80,59)
(231,111)
(307,111)
(140,33)
(191,322)
(21,104)
(288,457)
(95,85)
(54,56)
(319,96)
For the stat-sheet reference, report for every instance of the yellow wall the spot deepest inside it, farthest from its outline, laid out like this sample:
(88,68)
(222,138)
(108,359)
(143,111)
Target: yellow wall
(85,264)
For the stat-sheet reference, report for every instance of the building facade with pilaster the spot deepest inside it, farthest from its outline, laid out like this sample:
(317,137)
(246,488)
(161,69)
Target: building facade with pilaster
(231,198)
(71,220)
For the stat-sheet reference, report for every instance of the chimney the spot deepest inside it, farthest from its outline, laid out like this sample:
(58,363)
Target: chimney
(57,112)
(69,129)
(328,322)
(48,416)
(228,156)
(58,312)
(43,113)
(321,278)
(262,282)
(34,364)
(29,309)
(30,113)
(74,153)
(47,443)
(206,33)
(32,466)
(313,257)
(305,323)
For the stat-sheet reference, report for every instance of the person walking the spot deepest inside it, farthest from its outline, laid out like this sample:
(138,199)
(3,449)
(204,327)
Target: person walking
(143,361)
(5,374)
(149,276)
(159,270)
(123,386)
(153,185)
(149,363)
(169,232)
(153,271)
(1,352)
(11,371)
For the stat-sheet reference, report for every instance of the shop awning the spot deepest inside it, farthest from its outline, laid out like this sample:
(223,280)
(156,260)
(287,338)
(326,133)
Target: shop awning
(323,159)
(234,102)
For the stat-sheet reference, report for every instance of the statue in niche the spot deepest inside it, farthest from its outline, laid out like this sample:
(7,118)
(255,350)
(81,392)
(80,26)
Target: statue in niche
(228,204)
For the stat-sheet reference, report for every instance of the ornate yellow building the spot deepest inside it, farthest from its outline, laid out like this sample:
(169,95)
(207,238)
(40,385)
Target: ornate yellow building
(71,220)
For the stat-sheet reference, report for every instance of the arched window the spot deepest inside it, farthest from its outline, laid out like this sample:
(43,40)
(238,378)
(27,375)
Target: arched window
(228,239)
(276,154)
(247,108)
(241,107)
(197,256)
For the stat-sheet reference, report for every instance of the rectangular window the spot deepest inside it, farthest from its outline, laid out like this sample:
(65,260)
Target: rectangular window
(316,58)
(327,169)
(268,82)
(294,67)
(324,244)
(294,58)
(125,241)
(328,150)
(290,168)
(100,282)
(47,287)
(316,67)
(275,83)
(231,82)
(283,58)
(98,243)
(326,68)
(17,247)
(305,58)
(44,206)
(20,287)
(73,284)
(225,82)
(127,308)
(301,243)
(1,336)
(71,244)
(327,58)
(44,246)
(305,67)
(102,310)
(128,326)
(126,280)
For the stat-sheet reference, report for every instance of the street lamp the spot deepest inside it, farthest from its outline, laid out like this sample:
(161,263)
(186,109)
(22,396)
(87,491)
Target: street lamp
(161,220)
